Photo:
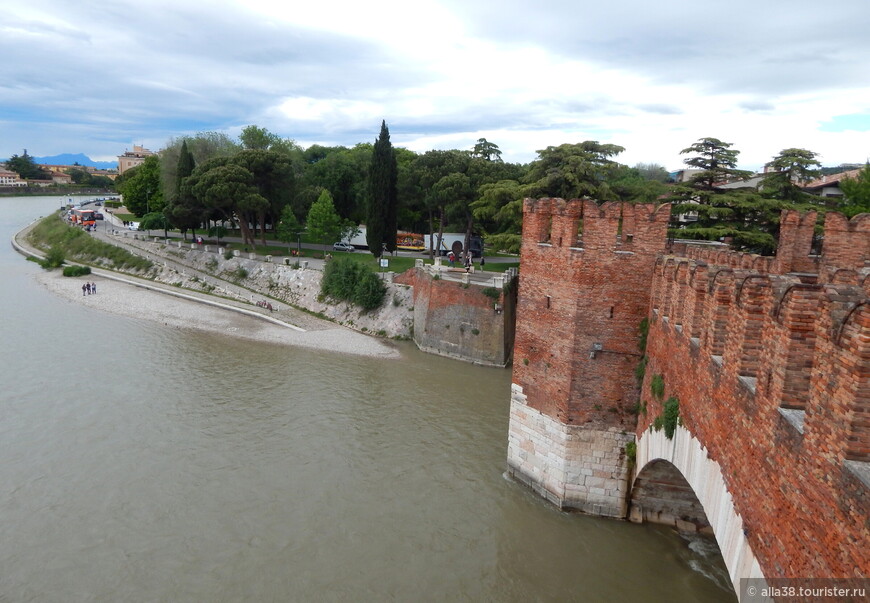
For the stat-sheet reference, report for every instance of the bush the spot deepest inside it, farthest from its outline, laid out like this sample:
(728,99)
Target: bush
(657,386)
(228,254)
(347,280)
(491,292)
(54,258)
(672,415)
(76,270)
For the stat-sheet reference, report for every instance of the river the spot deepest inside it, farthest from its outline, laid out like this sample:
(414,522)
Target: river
(140,462)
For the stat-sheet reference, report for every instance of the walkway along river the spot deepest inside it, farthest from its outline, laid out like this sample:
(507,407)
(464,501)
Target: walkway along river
(143,462)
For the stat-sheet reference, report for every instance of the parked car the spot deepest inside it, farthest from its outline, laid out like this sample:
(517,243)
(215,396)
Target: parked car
(99,216)
(133,226)
(340,246)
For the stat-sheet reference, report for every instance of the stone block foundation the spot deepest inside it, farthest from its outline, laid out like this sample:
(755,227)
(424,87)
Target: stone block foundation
(575,467)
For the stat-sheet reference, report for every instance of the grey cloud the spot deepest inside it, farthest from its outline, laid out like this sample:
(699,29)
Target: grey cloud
(744,46)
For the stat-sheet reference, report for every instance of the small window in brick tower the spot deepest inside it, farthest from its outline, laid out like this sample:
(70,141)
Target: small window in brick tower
(548,301)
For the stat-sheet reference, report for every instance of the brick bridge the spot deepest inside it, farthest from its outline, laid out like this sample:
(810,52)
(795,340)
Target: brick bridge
(746,415)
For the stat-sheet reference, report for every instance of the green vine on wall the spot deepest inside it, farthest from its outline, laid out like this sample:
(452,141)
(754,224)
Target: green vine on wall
(672,416)
(631,453)
(657,387)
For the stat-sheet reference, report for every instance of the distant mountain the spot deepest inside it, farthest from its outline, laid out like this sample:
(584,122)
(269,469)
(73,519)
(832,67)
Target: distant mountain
(80,158)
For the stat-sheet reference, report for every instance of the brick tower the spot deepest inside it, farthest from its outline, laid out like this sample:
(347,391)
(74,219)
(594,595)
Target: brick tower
(585,283)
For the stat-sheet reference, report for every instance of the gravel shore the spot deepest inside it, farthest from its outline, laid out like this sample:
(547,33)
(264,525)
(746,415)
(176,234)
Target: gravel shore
(128,300)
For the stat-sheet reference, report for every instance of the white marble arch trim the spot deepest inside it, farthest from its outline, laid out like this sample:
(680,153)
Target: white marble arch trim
(687,454)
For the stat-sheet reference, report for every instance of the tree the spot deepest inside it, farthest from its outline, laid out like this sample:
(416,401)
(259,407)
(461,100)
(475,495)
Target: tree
(857,193)
(26,168)
(228,190)
(288,228)
(499,208)
(258,139)
(381,225)
(570,171)
(787,172)
(486,150)
(652,171)
(717,162)
(203,146)
(709,208)
(274,179)
(323,223)
(141,187)
(344,173)
(185,165)
(155,221)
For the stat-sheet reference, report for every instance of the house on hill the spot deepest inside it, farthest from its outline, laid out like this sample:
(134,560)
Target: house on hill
(9,178)
(829,186)
(131,159)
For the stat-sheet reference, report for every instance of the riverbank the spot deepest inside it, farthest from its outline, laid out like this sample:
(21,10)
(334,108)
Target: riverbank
(153,301)
(125,299)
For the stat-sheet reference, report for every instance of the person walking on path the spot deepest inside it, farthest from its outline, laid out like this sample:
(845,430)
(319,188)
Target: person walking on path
(94,288)
(88,288)
(84,287)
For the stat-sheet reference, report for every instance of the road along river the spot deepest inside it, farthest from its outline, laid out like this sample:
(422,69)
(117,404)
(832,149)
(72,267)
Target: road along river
(144,461)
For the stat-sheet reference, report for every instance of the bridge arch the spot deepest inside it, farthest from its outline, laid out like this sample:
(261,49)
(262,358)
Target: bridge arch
(683,466)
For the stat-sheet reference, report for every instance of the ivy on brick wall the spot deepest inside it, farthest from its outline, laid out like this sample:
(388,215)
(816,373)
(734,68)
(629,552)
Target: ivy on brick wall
(672,416)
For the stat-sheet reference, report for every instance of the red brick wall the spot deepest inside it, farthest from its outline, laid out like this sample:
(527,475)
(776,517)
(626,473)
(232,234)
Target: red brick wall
(575,294)
(784,344)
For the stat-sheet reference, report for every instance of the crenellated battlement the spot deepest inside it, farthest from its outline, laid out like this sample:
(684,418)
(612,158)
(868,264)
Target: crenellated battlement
(779,339)
(582,224)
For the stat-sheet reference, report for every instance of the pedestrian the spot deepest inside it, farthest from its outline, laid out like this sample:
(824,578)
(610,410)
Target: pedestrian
(88,288)
(468,263)
(85,286)
(482,262)
(94,288)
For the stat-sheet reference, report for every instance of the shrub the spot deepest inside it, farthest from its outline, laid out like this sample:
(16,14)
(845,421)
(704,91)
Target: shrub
(631,452)
(228,254)
(643,329)
(640,370)
(347,280)
(54,258)
(76,270)
(657,386)
(491,292)
(672,415)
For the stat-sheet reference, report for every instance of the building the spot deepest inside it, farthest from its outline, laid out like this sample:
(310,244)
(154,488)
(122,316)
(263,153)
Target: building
(829,186)
(131,159)
(8,178)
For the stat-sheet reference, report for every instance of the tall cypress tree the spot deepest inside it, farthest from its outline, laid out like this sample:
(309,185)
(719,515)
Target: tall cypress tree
(381,217)
(185,167)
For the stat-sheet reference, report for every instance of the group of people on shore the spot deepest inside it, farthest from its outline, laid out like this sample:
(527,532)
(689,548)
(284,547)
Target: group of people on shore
(89,289)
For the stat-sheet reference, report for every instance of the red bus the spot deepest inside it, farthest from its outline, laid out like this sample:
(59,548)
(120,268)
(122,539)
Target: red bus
(83,217)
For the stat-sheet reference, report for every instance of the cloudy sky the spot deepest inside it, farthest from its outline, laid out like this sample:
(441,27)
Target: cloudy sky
(653,77)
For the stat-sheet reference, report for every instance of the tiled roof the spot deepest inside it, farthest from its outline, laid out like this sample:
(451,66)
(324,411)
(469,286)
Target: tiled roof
(832,179)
